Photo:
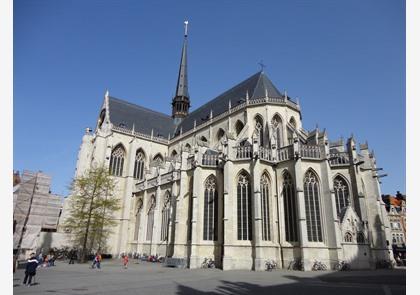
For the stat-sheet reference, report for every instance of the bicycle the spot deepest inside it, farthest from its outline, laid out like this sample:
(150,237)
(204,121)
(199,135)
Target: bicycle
(318,265)
(270,265)
(296,264)
(387,264)
(208,263)
(342,266)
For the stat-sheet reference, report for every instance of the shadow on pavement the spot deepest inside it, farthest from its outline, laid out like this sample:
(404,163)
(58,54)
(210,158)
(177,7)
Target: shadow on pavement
(342,283)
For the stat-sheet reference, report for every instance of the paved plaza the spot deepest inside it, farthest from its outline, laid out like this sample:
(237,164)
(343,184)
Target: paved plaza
(152,278)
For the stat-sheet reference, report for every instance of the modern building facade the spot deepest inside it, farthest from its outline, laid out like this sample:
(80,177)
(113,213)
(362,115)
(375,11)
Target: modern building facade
(239,180)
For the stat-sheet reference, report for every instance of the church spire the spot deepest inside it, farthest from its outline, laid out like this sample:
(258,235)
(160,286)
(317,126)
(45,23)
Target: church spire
(181,101)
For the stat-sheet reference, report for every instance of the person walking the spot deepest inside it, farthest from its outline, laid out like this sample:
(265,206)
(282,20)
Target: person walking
(125,261)
(98,260)
(30,270)
(73,256)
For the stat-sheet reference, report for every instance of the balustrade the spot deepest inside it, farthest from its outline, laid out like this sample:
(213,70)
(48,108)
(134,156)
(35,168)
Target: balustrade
(285,153)
(210,160)
(243,152)
(310,151)
(338,159)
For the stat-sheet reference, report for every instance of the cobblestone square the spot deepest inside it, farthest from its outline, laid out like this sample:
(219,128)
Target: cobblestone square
(152,278)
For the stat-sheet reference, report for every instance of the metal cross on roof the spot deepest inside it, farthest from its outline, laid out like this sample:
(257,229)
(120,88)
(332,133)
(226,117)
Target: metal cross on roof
(262,65)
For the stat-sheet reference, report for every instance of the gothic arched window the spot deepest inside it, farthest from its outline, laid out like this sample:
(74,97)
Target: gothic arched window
(139,165)
(265,207)
(292,122)
(341,191)
(220,134)
(278,130)
(259,129)
(360,238)
(312,207)
(158,159)
(348,237)
(238,127)
(203,138)
(150,218)
(244,210)
(116,164)
(165,217)
(210,221)
(138,215)
(290,208)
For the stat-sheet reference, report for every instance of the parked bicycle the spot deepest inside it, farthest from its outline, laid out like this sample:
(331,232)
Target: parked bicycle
(318,265)
(342,266)
(296,264)
(387,264)
(208,263)
(270,265)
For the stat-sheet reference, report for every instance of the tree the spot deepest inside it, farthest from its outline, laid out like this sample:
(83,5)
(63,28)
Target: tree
(91,209)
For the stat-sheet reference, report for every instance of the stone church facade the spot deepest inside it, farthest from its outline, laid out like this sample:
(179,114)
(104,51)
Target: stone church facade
(239,180)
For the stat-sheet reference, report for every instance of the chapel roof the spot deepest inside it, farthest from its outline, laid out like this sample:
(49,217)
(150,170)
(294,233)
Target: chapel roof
(125,114)
(256,87)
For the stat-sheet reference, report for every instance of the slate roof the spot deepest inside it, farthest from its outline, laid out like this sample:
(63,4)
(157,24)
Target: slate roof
(254,85)
(124,114)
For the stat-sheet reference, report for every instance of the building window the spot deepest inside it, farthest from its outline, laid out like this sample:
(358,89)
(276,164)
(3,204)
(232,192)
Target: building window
(138,216)
(210,209)
(116,164)
(238,127)
(259,130)
(290,209)
(348,238)
(244,208)
(220,134)
(165,217)
(139,165)
(312,207)
(150,218)
(360,238)
(278,129)
(265,207)
(341,191)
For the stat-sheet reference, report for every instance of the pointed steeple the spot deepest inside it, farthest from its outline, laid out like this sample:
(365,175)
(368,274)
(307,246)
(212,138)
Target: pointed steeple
(181,101)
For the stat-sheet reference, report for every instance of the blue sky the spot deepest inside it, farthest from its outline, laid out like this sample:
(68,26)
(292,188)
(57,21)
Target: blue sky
(345,60)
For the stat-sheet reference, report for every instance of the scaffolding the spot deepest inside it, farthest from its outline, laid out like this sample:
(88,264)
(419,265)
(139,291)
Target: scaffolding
(35,209)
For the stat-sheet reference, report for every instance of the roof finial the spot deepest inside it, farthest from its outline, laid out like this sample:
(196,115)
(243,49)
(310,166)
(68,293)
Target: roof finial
(186,28)
(107,93)
(211,114)
(262,66)
(195,124)
(247,97)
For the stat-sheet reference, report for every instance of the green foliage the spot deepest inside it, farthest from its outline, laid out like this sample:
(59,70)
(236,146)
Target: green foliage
(91,210)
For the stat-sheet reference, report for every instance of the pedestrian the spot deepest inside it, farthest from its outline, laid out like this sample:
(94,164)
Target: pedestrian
(73,256)
(94,261)
(98,260)
(30,270)
(125,261)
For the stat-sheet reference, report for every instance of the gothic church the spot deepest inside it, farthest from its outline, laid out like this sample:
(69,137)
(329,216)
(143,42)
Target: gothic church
(239,180)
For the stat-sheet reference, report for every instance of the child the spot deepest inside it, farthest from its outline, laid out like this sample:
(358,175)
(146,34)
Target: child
(125,261)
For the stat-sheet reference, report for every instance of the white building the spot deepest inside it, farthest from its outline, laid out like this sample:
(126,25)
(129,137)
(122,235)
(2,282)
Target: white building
(239,179)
